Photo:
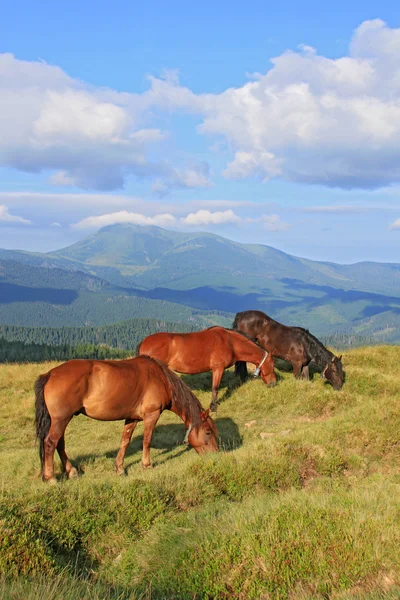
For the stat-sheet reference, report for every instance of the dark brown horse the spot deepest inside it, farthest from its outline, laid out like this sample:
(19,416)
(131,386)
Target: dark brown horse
(214,349)
(138,389)
(294,344)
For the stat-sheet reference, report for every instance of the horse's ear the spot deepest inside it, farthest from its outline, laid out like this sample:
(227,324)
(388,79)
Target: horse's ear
(204,414)
(340,357)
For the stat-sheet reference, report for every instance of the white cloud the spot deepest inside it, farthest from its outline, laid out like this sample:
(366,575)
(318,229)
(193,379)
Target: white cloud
(205,217)
(395,224)
(274,223)
(6,216)
(196,176)
(124,216)
(88,137)
(76,206)
(200,218)
(337,210)
(310,118)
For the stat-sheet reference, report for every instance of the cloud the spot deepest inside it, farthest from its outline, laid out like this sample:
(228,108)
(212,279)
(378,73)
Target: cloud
(337,210)
(6,216)
(124,216)
(196,176)
(310,118)
(88,137)
(201,217)
(205,217)
(274,223)
(395,224)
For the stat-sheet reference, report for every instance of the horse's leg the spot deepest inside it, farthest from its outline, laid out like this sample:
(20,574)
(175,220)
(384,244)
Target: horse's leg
(297,366)
(149,422)
(68,467)
(129,427)
(51,440)
(241,370)
(216,380)
(305,372)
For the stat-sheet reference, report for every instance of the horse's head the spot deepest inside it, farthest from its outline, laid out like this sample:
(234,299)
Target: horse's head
(204,438)
(267,371)
(334,373)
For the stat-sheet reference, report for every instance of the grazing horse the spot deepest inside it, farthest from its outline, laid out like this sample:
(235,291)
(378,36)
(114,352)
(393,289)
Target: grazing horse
(294,344)
(214,349)
(138,389)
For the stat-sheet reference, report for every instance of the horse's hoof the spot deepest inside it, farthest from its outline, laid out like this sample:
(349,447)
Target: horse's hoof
(73,474)
(147,466)
(120,471)
(213,407)
(51,481)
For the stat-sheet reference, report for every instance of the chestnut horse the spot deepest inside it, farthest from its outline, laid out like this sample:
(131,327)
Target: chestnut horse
(214,349)
(294,344)
(138,389)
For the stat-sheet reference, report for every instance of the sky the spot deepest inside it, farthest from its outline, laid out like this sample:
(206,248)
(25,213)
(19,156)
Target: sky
(272,123)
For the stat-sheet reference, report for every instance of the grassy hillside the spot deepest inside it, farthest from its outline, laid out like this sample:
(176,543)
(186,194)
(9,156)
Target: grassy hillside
(302,502)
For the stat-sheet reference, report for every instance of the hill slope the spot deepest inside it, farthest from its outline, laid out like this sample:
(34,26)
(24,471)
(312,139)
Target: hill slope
(301,504)
(154,257)
(200,271)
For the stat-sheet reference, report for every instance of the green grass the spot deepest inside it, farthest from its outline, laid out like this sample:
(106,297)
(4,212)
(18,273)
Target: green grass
(303,504)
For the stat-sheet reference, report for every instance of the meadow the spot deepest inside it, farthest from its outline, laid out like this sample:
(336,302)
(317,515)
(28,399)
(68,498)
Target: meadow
(302,501)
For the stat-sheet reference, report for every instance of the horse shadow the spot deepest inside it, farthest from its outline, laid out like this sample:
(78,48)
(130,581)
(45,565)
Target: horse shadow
(203,382)
(286,367)
(230,381)
(168,439)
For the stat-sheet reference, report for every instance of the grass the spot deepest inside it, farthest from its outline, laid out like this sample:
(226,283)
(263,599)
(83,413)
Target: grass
(302,502)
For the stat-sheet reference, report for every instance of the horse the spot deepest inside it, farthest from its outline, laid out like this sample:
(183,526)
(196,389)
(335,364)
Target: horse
(294,344)
(137,389)
(214,349)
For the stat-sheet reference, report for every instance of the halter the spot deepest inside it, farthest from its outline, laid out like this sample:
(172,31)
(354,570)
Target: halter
(188,430)
(258,369)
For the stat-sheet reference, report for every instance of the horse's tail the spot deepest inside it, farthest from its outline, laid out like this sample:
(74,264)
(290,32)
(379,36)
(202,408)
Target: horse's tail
(42,417)
(235,321)
(241,370)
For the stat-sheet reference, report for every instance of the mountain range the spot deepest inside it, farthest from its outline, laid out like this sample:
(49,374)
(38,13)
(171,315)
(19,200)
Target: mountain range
(129,271)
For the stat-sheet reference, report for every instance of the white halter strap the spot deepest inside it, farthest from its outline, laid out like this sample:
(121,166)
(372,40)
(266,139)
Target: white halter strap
(258,369)
(189,429)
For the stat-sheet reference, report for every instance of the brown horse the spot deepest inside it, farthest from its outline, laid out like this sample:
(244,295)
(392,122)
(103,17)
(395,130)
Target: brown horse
(138,389)
(294,344)
(214,349)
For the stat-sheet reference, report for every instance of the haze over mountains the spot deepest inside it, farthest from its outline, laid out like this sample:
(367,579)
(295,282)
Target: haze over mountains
(129,271)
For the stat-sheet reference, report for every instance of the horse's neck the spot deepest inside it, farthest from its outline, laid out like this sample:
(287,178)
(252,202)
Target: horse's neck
(185,413)
(321,355)
(247,351)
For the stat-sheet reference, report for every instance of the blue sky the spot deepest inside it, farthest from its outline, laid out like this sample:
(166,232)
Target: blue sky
(268,123)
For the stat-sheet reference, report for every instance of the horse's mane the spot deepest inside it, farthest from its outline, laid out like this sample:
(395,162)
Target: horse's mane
(320,353)
(182,395)
(233,330)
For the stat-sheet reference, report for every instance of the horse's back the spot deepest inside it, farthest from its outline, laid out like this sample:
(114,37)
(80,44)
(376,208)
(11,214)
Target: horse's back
(104,390)
(192,352)
(156,345)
